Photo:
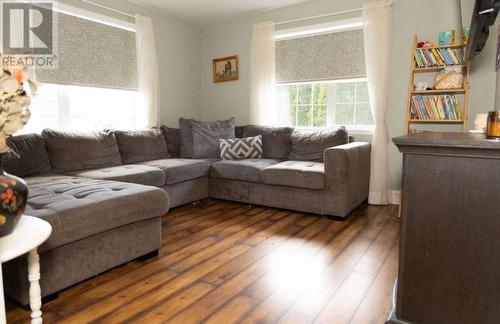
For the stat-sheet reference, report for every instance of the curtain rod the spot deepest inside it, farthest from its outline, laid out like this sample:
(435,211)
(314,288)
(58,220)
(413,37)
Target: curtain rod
(108,8)
(383,2)
(318,16)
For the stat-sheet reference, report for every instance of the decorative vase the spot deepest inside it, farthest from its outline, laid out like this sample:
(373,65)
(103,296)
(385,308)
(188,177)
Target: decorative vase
(13,198)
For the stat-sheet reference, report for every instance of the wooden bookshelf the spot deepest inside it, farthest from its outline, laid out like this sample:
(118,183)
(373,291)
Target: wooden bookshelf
(434,92)
(436,68)
(414,69)
(437,121)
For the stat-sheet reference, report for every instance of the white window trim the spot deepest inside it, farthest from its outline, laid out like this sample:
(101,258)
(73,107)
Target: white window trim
(92,16)
(319,29)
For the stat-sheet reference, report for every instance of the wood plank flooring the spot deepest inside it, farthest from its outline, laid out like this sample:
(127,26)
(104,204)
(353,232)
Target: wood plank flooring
(223,262)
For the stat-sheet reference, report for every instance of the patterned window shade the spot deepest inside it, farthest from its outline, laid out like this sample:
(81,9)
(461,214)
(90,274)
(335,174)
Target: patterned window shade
(321,57)
(93,54)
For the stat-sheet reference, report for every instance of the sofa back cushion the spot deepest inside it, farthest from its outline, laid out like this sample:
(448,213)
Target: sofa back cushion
(172,136)
(206,137)
(142,145)
(28,157)
(71,151)
(239,131)
(276,141)
(310,145)
(185,138)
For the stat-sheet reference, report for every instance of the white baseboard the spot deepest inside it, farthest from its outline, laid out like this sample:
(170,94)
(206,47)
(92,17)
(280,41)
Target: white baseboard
(395,197)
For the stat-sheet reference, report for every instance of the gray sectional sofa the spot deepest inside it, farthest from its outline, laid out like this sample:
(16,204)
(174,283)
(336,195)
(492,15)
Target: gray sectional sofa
(104,192)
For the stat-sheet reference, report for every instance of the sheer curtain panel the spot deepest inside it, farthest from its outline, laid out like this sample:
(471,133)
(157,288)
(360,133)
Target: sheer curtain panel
(377,20)
(147,68)
(262,75)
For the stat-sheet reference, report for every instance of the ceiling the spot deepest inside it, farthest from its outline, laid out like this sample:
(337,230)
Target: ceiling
(204,12)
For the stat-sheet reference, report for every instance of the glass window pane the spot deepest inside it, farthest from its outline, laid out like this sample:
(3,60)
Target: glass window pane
(363,114)
(319,116)
(362,92)
(304,93)
(344,114)
(304,116)
(344,92)
(292,91)
(319,93)
(44,110)
(98,108)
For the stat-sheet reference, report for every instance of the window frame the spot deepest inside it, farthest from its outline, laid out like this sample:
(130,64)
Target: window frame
(331,106)
(63,110)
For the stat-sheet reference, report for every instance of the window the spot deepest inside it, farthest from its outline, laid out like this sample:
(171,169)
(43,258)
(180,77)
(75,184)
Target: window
(325,103)
(82,108)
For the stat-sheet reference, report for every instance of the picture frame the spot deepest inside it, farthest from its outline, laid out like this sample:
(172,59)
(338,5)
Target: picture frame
(225,69)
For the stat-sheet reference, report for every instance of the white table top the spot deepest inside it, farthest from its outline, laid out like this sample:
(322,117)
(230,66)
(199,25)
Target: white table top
(29,233)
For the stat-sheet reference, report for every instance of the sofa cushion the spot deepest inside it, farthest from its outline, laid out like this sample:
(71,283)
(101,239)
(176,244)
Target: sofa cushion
(239,130)
(140,146)
(241,148)
(28,157)
(310,145)
(172,136)
(206,137)
(132,173)
(275,140)
(185,138)
(179,170)
(244,170)
(300,174)
(71,151)
(78,207)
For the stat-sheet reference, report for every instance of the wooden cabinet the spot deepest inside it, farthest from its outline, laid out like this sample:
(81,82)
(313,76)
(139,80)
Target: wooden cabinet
(449,265)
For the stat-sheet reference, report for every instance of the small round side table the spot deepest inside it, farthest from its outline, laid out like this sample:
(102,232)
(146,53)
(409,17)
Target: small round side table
(28,235)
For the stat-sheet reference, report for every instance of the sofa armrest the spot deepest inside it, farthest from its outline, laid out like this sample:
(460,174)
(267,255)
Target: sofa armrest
(347,177)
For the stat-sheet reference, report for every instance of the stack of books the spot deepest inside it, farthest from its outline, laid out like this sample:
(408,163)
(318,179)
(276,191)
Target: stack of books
(431,57)
(442,107)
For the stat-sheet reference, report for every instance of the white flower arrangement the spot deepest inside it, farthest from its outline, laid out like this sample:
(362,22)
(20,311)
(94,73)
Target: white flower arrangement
(14,101)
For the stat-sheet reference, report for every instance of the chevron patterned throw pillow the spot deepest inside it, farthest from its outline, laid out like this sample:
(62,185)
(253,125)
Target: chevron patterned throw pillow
(241,148)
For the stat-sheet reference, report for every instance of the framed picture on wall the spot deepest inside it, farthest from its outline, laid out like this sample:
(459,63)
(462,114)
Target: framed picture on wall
(225,68)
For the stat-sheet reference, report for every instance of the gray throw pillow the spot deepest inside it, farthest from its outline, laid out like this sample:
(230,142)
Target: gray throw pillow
(241,148)
(275,140)
(185,138)
(140,146)
(28,156)
(72,151)
(206,137)
(310,145)
(172,136)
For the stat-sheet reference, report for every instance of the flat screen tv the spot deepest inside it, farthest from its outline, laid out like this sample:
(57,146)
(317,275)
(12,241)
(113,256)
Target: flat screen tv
(484,15)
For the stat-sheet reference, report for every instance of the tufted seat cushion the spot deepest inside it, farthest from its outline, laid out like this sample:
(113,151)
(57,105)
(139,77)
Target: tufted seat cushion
(132,173)
(243,170)
(78,207)
(179,170)
(300,174)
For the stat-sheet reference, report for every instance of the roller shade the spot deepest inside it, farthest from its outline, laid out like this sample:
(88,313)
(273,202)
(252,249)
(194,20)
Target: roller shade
(321,57)
(93,54)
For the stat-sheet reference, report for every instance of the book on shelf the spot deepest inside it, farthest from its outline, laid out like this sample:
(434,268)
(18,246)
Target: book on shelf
(440,107)
(432,57)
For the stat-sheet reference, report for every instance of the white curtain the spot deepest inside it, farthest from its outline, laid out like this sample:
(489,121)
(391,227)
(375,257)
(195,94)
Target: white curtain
(377,18)
(262,75)
(147,68)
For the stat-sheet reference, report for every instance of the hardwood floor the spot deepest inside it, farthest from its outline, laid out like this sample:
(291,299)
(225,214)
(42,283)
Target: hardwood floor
(223,262)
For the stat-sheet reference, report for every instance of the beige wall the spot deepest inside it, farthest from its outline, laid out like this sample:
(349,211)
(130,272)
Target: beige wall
(423,17)
(178,47)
